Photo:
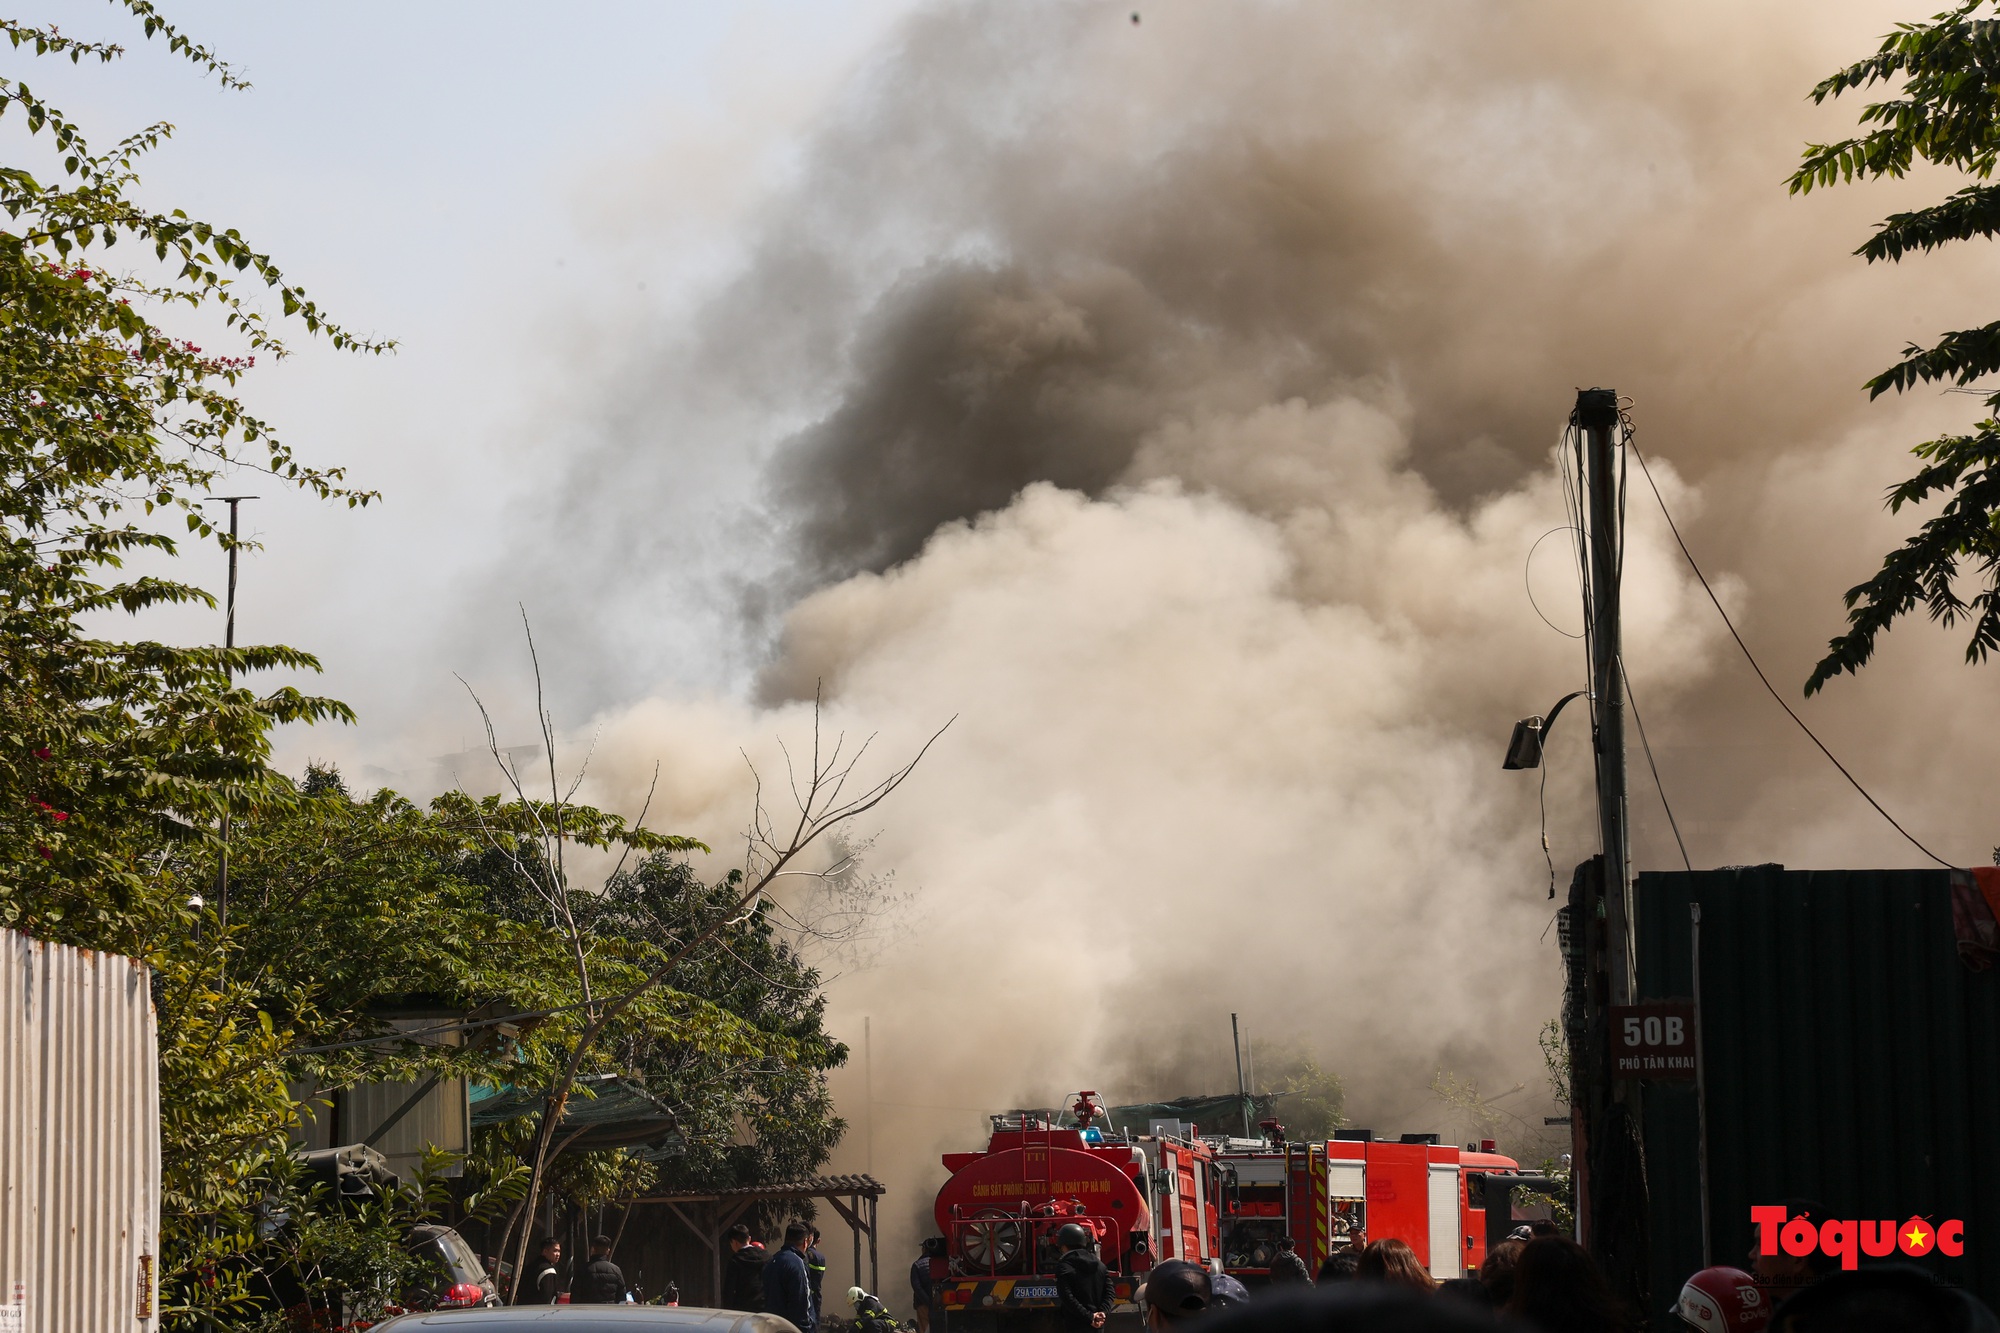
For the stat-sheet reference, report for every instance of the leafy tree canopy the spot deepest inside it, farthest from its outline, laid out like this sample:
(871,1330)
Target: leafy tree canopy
(775,1090)
(123,761)
(1944,109)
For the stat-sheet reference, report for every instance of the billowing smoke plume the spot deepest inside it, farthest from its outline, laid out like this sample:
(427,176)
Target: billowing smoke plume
(1171,401)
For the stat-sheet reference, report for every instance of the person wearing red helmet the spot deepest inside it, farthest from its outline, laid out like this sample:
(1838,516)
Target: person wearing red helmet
(1723,1300)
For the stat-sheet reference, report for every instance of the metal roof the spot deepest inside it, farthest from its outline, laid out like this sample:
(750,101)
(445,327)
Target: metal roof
(604,1111)
(816,1187)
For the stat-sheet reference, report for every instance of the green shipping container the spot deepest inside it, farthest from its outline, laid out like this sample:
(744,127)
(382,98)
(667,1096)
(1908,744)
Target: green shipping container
(1851,1058)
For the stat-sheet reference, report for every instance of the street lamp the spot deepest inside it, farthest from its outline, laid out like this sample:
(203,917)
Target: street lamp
(1524,748)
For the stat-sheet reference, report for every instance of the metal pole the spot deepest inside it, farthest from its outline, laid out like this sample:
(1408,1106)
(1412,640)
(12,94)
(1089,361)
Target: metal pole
(1700,1087)
(1242,1094)
(228,641)
(868,1083)
(1597,417)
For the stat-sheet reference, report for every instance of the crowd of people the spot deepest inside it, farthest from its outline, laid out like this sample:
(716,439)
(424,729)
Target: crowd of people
(1541,1279)
(787,1284)
(598,1282)
(1535,1279)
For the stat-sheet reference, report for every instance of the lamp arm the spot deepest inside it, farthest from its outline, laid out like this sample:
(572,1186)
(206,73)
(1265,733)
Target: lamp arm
(1550,720)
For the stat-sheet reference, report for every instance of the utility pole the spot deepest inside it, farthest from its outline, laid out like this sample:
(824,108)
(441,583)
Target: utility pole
(1609,1162)
(1242,1093)
(1597,418)
(228,642)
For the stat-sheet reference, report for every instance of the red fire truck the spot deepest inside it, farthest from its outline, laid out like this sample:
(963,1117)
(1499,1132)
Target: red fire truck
(1174,1194)
(1432,1196)
(1145,1197)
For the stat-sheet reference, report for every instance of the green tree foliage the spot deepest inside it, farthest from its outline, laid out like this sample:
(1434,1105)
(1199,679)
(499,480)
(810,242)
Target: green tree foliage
(353,1263)
(344,906)
(1310,1096)
(339,906)
(109,423)
(750,1100)
(1945,110)
(119,761)
(827,793)
(779,1097)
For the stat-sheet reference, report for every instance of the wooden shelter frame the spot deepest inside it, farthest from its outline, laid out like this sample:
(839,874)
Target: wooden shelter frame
(709,1213)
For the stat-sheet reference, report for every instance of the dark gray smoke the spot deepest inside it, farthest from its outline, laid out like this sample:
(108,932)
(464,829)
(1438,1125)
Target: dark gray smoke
(1116,226)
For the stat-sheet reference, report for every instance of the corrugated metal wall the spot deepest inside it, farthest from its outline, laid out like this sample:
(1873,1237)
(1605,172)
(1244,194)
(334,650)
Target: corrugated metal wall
(1851,1059)
(79,1140)
(442,1119)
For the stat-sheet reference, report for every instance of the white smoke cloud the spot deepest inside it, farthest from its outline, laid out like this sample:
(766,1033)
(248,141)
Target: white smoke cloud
(1206,759)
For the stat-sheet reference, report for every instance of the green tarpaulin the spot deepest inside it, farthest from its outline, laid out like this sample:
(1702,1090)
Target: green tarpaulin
(602,1112)
(1212,1115)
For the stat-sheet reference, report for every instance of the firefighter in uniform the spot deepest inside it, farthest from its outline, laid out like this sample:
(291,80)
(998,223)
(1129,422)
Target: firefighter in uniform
(1083,1283)
(815,1269)
(870,1315)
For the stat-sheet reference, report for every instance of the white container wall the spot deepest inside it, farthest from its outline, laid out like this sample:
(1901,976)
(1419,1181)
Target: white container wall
(79,1141)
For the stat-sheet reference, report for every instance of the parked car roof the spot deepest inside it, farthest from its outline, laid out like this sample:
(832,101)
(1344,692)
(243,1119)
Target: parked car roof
(591,1319)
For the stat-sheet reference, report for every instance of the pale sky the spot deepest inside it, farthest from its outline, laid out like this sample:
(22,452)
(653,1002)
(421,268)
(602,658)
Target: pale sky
(516,193)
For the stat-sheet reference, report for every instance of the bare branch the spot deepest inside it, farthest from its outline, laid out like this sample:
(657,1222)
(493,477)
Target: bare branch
(640,822)
(583,768)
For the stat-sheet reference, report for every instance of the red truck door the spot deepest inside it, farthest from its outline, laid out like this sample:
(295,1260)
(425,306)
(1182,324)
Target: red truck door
(1399,1195)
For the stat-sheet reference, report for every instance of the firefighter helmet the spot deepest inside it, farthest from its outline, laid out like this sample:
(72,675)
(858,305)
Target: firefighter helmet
(1075,1236)
(1723,1300)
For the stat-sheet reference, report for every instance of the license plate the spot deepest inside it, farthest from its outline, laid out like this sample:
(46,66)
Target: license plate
(1033,1291)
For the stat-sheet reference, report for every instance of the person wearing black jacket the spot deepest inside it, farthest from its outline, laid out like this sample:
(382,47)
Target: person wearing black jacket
(920,1291)
(787,1286)
(547,1282)
(1083,1283)
(743,1271)
(601,1282)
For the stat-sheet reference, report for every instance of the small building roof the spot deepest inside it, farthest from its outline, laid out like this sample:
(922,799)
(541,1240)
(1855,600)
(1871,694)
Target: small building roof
(814,1187)
(604,1111)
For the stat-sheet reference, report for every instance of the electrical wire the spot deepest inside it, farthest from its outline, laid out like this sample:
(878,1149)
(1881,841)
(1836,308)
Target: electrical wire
(1527,566)
(1646,745)
(1750,657)
(1547,855)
